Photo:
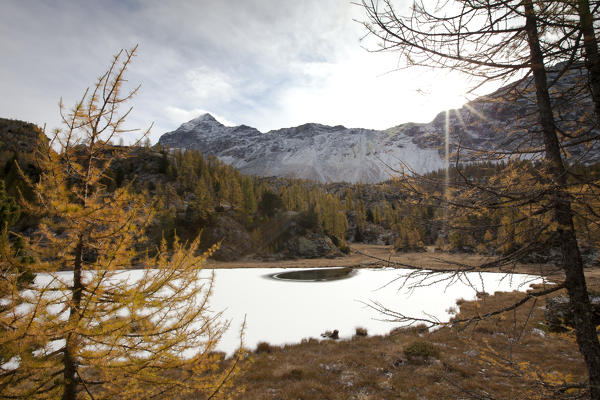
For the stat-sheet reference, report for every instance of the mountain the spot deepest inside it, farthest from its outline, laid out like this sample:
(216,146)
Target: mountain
(497,123)
(311,151)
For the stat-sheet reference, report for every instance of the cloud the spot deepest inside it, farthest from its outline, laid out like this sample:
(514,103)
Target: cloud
(209,85)
(264,63)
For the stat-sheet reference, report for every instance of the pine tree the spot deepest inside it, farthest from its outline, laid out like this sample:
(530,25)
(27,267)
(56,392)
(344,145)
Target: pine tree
(9,209)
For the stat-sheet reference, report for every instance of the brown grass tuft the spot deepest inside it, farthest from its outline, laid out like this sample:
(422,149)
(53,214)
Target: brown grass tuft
(360,331)
(264,347)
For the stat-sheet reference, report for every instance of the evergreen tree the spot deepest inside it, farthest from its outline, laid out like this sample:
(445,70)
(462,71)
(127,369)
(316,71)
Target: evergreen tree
(269,204)
(248,198)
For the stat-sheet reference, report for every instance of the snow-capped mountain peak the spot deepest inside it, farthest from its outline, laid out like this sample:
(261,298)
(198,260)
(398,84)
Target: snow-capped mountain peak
(203,123)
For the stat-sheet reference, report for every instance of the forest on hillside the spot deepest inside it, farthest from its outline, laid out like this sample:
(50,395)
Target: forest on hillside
(291,218)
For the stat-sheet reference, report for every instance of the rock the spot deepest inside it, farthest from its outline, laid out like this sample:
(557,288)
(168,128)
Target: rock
(335,367)
(19,142)
(347,378)
(369,232)
(20,137)
(291,237)
(471,353)
(538,332)
(312,245)
(398,363)
(558,314)
(236,242)
(331,335)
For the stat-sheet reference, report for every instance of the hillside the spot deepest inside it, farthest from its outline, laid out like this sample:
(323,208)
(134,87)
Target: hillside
(279,217)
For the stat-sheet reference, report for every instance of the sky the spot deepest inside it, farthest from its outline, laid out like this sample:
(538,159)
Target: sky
(264,63)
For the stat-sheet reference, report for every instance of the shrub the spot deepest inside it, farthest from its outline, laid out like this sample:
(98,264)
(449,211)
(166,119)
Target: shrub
(360,331)
(264,347)
(421,349)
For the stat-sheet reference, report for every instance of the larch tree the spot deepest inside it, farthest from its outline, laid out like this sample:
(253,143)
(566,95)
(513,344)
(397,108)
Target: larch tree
(86,328)
(499,40)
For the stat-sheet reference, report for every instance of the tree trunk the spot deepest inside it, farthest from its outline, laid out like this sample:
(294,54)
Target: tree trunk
(69,360)
(572,264)
(590,45)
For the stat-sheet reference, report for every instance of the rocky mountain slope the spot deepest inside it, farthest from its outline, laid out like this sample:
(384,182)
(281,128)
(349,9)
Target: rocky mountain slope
(311,151)
(493,124)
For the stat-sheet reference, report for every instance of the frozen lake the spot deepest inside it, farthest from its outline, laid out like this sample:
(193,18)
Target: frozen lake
(285,305)
(280,311)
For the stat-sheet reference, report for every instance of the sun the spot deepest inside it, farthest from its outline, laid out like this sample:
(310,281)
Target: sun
(447,90)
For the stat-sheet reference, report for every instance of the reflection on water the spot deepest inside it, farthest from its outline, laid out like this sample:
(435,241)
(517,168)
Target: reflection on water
(314,275)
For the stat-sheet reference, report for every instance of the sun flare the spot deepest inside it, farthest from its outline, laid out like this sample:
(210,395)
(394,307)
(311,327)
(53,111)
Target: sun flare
(446,91)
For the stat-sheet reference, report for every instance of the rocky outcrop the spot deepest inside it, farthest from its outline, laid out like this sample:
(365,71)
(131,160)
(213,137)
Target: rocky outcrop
(311,245)
(19,143)
(367,232)
(20,137)
(288,235)
(235,240)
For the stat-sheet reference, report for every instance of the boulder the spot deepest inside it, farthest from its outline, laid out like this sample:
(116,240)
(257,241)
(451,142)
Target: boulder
(368,232)
(311,245)
(291,235)
(236,242)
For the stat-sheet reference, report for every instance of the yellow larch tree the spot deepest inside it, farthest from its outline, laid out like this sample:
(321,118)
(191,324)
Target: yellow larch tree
(103,319)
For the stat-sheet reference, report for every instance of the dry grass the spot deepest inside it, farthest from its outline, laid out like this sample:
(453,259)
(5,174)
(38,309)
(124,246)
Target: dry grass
(504,358)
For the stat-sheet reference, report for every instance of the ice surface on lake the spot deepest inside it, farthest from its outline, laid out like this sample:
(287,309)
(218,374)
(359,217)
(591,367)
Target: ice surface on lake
(280,311)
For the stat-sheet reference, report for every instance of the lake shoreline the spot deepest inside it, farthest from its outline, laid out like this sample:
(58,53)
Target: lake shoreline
(467,358)
(378,256)
(414,362)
